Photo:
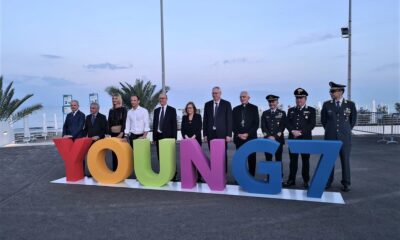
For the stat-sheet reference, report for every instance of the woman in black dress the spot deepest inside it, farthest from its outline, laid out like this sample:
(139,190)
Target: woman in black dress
(191,127)
(191,123)
(116,122)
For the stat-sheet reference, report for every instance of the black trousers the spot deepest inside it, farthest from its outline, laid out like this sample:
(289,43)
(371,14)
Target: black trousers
(213,135)
(305,168)
(252,158)
(278,156)
(161,137)
(345,162)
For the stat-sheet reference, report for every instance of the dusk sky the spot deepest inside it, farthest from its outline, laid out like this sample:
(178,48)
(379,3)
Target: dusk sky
(51,48)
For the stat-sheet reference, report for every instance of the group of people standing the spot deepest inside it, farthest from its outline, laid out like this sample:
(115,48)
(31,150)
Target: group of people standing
(220,121)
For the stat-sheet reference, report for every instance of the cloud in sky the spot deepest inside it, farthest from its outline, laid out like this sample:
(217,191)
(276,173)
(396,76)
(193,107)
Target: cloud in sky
(51,56)
(385,67)
(314,38)
(107,66)
(38,81)
(236,61)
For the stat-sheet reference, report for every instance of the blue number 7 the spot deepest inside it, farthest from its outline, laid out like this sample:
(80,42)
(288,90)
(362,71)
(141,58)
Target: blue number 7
(329,151)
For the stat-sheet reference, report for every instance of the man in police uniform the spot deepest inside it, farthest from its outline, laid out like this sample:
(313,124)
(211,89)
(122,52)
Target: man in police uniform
(300,122)
(338,117)
(273,125)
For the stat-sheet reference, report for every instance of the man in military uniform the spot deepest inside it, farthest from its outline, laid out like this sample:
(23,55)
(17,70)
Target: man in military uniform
(300,122)
(273,125)
(338,117)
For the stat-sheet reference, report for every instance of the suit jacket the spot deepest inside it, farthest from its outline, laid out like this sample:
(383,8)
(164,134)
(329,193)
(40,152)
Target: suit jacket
(191,128)
(251,121)
(338,122)
(223,119)
(303,120)
(98,128)
(274,124)
(169,127)
(74,125)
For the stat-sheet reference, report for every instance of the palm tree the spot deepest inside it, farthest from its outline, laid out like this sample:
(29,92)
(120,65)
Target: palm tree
(144,90)
(9,106)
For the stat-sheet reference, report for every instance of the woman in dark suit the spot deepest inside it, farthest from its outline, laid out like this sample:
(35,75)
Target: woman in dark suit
(116,122)
(191,123)
(191,127)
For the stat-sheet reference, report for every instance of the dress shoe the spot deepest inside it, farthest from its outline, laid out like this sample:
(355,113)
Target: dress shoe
(305,185)
(328,186)
(345,188)
(289,183)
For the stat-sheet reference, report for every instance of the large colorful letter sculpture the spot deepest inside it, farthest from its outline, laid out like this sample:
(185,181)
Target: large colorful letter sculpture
(272,169)
(329,151)
(97,161)
(73,153)
(213,170)
(142,155)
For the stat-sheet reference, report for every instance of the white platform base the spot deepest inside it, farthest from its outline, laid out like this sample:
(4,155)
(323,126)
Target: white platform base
(234,190)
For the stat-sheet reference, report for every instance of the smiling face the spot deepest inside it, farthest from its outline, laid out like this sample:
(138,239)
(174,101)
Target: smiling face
(301,101)
(244,97)
(74,106)
(135,101)
(162,99)
(273,104)
(216,94)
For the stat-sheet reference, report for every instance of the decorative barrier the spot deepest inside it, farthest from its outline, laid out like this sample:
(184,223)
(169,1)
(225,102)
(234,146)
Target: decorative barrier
(192,158)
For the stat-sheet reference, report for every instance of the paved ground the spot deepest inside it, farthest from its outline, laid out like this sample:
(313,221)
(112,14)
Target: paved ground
(33,208)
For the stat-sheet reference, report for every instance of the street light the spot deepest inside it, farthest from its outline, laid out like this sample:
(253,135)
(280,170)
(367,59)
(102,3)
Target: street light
(346,33)
(162,47)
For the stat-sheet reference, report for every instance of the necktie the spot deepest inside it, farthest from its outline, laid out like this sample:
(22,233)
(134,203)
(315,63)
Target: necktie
(161,118)
(338,104)
(215,113)
(93,118)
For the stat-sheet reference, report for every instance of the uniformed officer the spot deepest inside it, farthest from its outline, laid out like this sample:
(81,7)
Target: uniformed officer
(273,125)
(300,122)
(338,117)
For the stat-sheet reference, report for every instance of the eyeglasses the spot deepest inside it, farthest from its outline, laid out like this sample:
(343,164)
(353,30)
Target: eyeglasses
(243,96)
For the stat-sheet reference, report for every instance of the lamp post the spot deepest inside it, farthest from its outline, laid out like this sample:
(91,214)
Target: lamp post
(346,33)
(162,47)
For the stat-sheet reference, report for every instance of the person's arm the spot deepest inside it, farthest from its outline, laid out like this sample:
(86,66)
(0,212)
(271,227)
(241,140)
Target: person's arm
(109,120)
(235,122)
(124,116)
(282,123)
(229,119)
(104,127)
(85,128)
(174,123)
(264,124)
(127,125)
(183,127)
(256,122)
(324,115)
(65,128)
(353,115)
(155,120)
(198,126)
(80,127)
(205,121)
(289,125)
(146,124)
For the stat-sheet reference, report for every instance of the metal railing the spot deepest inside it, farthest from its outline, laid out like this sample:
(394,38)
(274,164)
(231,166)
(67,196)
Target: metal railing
(386,126)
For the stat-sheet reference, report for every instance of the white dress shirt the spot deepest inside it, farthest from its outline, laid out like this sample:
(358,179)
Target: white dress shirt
(137,121)
(159,117)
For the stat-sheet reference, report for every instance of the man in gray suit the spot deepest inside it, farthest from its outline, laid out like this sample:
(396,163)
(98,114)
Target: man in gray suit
(338,117)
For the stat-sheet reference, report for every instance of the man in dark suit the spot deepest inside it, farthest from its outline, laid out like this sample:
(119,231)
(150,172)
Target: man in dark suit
(96,125)
(74,122)
(245,124)
(273,126)
(164,123)
(217,120)
(338,117)
(301,120)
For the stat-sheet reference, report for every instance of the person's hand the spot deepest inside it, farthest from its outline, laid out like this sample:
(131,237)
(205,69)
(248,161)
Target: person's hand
(205,138)
(271,137)
(245,136)
(95,138)
(107,136)
(120,135)
(194,136)
(186,136)
(124,140)
(228,139)
(67,136)
(296,133)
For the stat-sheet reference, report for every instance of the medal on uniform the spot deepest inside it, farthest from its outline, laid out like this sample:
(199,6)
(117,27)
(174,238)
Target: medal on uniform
(242,123)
